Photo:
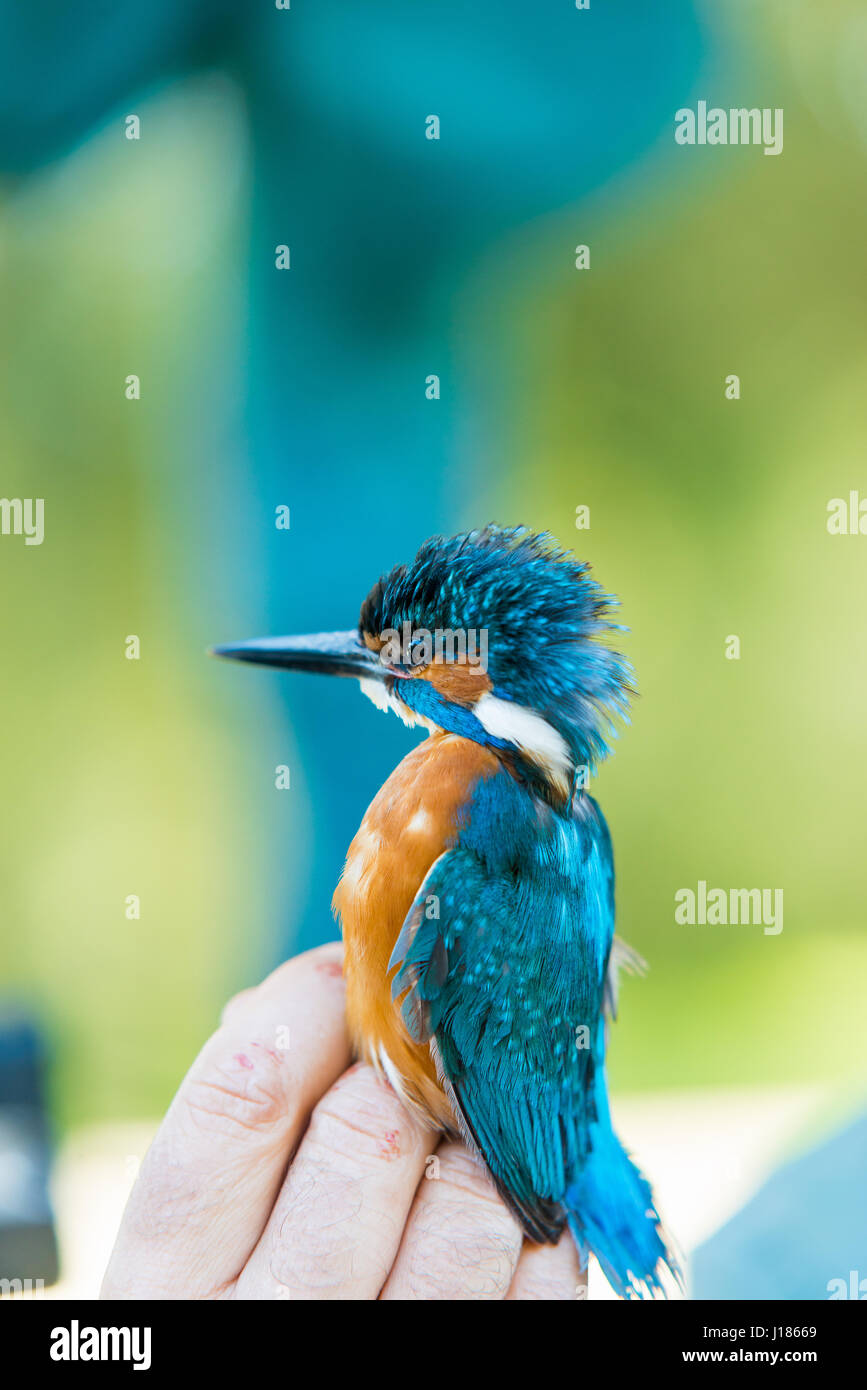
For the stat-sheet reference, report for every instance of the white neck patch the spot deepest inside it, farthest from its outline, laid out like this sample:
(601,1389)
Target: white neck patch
(516,724)
(527,730)
(385,700)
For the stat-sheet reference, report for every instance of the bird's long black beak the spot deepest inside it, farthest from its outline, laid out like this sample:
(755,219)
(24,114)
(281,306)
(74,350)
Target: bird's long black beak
(327,653)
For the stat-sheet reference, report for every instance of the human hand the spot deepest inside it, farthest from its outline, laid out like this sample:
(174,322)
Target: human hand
(371,1205)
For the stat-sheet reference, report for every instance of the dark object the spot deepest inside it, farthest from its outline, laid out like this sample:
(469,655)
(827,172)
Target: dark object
(28,1246)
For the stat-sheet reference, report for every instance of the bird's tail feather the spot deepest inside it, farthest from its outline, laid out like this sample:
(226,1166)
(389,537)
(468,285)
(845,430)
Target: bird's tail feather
(611,1212)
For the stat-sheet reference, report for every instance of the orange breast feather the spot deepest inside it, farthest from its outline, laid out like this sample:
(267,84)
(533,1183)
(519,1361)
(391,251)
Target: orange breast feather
(411,821)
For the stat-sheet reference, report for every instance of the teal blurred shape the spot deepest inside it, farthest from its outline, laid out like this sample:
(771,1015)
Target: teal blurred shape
(28,1245)
(538,106)
(803,1235)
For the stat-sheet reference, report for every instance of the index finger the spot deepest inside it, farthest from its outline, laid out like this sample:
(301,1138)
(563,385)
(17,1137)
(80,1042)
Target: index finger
(209,1180)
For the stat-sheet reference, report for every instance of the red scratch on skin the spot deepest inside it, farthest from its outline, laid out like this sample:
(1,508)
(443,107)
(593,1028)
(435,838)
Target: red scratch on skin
(332,968)
(244,1061)
(390,1147)
(269,1051)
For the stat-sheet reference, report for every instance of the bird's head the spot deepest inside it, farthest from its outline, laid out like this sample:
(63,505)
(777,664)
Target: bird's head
(493,635)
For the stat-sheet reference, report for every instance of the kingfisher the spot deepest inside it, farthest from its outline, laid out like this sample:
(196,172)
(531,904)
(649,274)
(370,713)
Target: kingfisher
(477,898)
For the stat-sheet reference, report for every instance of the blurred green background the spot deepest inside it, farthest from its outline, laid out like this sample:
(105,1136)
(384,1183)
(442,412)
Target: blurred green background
(603,388)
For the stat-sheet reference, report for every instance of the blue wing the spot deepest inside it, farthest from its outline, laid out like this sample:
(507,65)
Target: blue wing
(502,964)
